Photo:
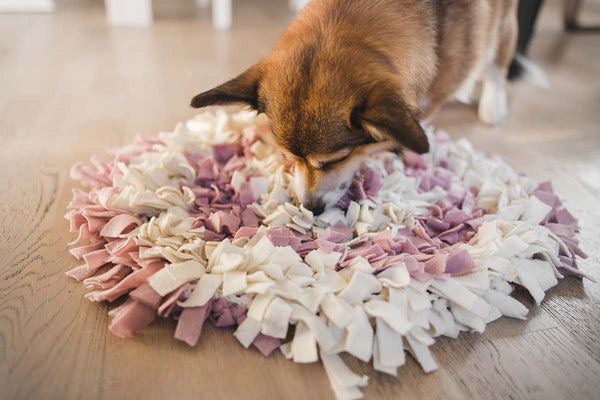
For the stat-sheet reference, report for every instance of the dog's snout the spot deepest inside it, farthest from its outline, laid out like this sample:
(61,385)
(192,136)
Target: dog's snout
(317,206)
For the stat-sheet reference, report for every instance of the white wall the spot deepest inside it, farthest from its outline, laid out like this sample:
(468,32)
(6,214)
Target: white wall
(27,6)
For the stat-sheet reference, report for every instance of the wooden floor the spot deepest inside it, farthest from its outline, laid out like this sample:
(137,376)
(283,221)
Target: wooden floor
(70,87)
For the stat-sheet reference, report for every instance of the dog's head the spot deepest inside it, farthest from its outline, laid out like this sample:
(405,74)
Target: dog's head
(327,115)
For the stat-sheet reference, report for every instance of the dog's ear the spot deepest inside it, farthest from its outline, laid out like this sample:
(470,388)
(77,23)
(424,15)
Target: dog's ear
(385,115)
(241,89)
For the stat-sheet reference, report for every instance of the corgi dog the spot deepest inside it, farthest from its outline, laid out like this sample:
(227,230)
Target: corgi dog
(352,77)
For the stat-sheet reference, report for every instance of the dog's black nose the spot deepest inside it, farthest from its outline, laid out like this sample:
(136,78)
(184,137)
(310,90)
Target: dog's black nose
(316,206)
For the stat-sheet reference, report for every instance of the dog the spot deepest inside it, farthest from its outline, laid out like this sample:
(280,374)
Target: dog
(352,77)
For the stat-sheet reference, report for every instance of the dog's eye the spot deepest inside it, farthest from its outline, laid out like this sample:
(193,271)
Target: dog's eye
(328,164)
(260,106)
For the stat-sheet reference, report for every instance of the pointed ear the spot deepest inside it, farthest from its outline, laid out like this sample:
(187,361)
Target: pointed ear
(241,89)
(385,115)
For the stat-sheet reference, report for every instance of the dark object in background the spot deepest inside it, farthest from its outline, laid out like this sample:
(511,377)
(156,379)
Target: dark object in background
(571,10)
(527,13)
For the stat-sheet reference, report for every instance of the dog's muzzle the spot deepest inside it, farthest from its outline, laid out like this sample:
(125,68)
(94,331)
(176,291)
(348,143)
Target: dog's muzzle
(317,206)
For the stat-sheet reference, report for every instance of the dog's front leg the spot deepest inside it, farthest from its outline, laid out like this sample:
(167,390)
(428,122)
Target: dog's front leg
(492,104)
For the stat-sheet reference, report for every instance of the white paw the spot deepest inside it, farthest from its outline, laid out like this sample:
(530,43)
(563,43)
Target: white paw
(492,104)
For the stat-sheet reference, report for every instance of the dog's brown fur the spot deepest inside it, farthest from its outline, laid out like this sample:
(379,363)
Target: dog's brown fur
(349,73)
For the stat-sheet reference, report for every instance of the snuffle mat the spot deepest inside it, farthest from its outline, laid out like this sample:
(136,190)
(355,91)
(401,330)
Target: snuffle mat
(203,223)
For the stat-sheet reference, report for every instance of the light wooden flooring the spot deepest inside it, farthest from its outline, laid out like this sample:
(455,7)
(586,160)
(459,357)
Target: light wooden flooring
(70,87)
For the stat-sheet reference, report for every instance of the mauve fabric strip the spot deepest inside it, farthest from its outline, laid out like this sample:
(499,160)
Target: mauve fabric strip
(191,321)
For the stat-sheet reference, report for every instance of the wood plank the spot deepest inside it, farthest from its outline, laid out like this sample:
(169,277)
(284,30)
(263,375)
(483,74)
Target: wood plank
(527,366)
(50,343)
